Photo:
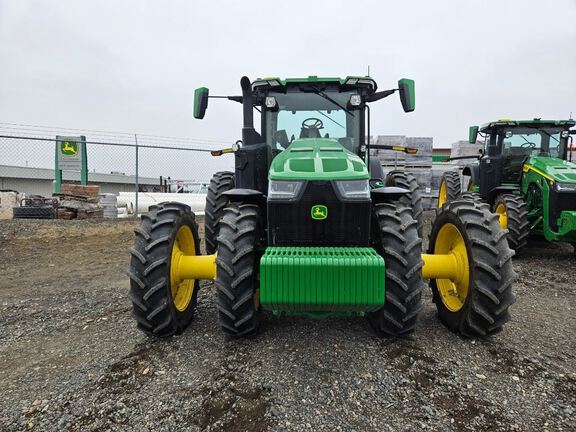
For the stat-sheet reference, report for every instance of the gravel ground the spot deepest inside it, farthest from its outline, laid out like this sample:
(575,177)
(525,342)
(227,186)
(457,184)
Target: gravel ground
(72,359)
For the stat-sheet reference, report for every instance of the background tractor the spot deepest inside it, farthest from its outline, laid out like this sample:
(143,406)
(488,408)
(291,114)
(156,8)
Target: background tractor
(526,174)
(309,225)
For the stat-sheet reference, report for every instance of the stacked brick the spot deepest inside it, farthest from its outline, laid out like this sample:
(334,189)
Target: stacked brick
(79,202)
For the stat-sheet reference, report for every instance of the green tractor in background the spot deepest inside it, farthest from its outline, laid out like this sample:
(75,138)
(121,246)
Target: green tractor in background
(525,172)
(308,224)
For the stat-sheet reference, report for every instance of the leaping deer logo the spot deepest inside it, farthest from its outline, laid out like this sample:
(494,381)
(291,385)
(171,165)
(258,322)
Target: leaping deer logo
(319,212)
(69,148)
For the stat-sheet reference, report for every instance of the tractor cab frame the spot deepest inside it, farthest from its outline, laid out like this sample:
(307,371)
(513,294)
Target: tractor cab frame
(292,108)
(508,145)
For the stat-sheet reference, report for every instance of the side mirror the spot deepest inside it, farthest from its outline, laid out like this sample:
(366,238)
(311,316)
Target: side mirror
(472,134)
(200,102)
(407,94)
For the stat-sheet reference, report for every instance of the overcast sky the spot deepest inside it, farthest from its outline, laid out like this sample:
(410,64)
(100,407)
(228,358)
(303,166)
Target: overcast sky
(133,65)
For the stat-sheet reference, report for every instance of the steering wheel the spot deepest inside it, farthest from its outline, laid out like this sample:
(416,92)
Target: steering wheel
(312,123)
(530,145)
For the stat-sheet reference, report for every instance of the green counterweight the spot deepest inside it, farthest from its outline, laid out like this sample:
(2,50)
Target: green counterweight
(322,279)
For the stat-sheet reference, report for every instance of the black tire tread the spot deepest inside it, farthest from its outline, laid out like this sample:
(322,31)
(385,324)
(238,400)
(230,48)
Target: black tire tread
(236,265)
(399,244)
(453,186)
(221,182)
(407,180)
(486,308)
(150,294)
(518,223)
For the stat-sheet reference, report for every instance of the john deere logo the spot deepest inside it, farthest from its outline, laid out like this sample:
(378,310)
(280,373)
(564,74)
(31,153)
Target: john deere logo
(69,148)
(319,212)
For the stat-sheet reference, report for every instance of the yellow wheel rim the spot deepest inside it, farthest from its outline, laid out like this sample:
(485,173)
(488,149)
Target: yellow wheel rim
(453,291)
(182,290)
(442,194)
(502,215)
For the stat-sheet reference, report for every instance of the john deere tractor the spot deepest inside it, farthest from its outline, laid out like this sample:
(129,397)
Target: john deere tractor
(308,224)
(526,174)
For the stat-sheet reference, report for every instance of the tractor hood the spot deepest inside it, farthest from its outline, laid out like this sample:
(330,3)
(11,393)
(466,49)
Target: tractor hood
(317,159)
(556,169)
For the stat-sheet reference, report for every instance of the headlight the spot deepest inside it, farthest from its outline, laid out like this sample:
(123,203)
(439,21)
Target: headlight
(279,189)
(355,100)
(353,189)
(565,187)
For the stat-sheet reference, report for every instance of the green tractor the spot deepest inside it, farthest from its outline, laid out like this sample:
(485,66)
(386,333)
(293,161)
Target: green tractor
(525,172)
(309,225)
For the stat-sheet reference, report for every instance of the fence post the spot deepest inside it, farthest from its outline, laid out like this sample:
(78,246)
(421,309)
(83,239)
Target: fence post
(136,178)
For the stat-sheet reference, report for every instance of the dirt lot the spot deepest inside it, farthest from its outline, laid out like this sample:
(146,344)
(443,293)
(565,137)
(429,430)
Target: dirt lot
(72,359)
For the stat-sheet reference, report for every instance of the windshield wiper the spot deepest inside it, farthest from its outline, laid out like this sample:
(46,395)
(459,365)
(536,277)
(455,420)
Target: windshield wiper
(328,98)
(542,130)
(330,118)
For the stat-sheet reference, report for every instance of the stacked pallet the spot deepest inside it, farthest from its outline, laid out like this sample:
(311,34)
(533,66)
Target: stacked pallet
(79,202)
(423,158)
(389,157)
(109,202)
(394,158)
(461,149)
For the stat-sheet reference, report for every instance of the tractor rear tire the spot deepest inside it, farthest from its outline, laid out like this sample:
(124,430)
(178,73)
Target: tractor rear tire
(483,310)
(517,224)
(215,202)
(154,306)
(414,198)
(237,269)
(450,188)
(398,242)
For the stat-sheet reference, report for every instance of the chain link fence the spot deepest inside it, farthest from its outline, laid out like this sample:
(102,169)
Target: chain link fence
(118,162)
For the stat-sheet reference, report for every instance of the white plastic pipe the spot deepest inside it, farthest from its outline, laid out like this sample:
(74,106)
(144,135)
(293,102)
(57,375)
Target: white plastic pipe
(146,199)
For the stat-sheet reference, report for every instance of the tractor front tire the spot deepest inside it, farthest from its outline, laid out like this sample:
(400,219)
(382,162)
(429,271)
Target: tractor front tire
(477,306)
(450,188)
(398,242)
(414,198)
(237,268)
(159,308)
(221,182)
(513,215)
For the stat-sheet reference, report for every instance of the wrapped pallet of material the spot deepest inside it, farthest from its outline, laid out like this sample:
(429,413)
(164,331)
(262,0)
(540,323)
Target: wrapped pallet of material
(461,149)
(109,203)
(423,145)
(8,200)
(389,157)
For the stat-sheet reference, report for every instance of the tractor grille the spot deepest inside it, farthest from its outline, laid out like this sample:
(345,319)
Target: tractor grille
(560,201)
(290,222)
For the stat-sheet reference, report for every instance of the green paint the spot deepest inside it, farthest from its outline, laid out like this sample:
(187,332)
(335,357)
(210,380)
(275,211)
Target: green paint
(554,170)
(407,94)
(317,159)
(200,102)
(317,279)
(472,134)
(319,212)
(312,79)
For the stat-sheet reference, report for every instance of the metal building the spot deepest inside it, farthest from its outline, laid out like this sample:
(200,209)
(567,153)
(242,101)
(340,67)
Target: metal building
(40,181)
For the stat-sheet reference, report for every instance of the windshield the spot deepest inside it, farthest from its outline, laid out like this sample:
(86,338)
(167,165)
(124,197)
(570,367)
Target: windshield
(313,115)
(534,141)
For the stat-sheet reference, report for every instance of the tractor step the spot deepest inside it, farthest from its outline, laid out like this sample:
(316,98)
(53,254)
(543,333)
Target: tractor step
(318,279)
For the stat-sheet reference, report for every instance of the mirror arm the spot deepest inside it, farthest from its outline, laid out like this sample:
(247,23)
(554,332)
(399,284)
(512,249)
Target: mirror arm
(380,95)
(232,98)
